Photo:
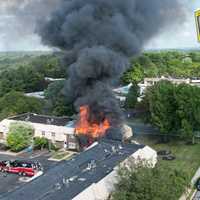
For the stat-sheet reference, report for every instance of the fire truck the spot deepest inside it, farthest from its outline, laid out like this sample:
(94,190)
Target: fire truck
(23,168)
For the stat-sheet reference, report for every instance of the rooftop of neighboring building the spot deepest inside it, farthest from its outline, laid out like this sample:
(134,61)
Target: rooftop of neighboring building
(69,178)
(42,119)
(39,94)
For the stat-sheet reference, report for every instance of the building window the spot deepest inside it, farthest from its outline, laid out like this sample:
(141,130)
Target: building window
(43,133)
(53,134)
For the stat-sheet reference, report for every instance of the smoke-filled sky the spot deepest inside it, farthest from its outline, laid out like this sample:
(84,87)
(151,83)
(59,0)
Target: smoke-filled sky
(98,37)
(17,24)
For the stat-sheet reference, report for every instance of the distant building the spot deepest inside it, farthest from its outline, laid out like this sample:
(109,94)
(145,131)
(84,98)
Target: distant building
(56,129)
(148,82)
(121,93)
(91,175)
(49,79)
(123,90)
(39,95)
(187,59)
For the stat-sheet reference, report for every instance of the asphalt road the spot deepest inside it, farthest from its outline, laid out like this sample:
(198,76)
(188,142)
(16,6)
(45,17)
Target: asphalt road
(10,182)
(140,128)
(197,196)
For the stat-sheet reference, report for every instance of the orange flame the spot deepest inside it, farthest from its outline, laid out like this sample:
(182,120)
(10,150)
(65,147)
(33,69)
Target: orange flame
(94,130)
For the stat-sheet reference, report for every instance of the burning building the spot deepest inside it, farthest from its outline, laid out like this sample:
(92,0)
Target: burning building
(98,38)
(62,131)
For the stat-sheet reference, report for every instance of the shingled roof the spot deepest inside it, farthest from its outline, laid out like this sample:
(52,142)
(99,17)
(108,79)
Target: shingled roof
(42,119)
(69,178)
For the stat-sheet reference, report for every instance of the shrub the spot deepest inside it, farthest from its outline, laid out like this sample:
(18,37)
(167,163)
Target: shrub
(43,143)
(40,143)
(161,182)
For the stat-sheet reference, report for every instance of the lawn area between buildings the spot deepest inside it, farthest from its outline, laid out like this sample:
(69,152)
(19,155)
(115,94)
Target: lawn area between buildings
(61,155)
(187,156)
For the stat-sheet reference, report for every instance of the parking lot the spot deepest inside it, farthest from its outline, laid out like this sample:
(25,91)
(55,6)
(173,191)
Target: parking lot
(10,182)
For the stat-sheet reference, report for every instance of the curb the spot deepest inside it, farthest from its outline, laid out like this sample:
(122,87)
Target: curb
(192,197)
(9,153)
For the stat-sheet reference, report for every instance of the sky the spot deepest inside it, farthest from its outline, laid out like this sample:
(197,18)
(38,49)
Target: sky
(17,27)
(181,36)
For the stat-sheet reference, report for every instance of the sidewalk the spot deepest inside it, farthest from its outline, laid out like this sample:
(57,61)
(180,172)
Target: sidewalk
(195,177)
(9,153)
(189,190)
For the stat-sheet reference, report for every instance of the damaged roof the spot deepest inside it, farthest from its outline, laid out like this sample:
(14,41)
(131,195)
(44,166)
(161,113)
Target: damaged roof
(69,178)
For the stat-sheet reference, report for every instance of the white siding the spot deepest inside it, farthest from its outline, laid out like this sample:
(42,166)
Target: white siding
(60,131)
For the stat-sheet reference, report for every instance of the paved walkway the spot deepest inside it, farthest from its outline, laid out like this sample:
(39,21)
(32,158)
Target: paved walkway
(196,176)
(193,181)
(9,153)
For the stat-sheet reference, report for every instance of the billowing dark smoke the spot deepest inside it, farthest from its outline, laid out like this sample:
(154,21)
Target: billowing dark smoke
(99,36)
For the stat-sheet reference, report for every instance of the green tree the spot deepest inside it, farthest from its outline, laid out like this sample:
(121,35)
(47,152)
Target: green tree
(54,90)
(187,130)
(19,136)
(58,104)
(50,65)
(24,78)
(188,109)
(174,109)
(162,106)
(164,63)
(14,103)
(134,75)
(161,182)
(132,96)
(195,56)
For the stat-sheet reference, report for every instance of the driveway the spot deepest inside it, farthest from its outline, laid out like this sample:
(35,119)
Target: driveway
(140,128)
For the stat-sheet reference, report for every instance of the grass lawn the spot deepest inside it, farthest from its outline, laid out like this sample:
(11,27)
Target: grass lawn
(187,156)
(60,155)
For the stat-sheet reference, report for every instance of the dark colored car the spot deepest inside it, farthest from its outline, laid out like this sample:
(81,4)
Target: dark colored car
(198,184)
(23,168)
(169,157)
(163,152)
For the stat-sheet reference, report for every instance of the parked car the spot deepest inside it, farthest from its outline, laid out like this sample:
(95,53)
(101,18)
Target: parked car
(164,152)
(169,157)
(198,184)
(23,168)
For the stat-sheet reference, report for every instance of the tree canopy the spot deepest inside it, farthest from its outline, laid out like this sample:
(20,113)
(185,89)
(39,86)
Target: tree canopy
(161,182)
(14,103)
(19,136)
(58,104)
(29,73)
(174,109)
(170,63)
(132,96)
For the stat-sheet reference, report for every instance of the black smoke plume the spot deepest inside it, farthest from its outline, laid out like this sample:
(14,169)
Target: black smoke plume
(99,37)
